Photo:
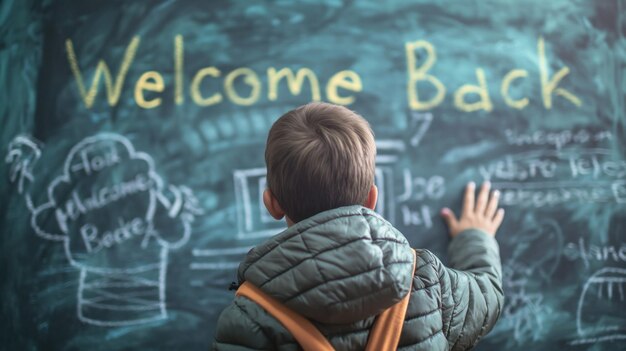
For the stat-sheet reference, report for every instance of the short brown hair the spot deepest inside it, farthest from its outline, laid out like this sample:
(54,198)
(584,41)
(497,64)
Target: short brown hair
(319,157)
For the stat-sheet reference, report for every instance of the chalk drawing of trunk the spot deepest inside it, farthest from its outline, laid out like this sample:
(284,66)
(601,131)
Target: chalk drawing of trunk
(116,220)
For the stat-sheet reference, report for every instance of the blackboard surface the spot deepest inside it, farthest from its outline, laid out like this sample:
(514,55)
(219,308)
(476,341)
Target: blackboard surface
(133,136)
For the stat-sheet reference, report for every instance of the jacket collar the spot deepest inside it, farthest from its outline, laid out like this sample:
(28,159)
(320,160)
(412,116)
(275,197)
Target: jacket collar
(337,267)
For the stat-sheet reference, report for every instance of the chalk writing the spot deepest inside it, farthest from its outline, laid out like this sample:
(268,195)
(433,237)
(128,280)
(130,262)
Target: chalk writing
(556,139)
(551,194)
(420,188)
(598,253)
(95,158)
(421,216)
(420,74)
(95,241)
(346,80)
(544,165)
(99,198)
(419,191)
(421,122)
(153,81)
(389,150)
(547,178)
(23,152)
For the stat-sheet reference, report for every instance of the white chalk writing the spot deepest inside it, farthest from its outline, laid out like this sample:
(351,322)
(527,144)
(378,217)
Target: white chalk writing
(556,139)
(76,205)
(547,178)
(598,253)
(95,240)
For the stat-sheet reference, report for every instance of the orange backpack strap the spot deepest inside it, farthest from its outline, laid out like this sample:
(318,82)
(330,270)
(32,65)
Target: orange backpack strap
(385,334)
(307,335)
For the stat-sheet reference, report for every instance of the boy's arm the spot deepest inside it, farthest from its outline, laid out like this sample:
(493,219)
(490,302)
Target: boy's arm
(472,294)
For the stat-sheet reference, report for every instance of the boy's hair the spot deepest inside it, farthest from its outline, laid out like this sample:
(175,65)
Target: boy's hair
(319,157)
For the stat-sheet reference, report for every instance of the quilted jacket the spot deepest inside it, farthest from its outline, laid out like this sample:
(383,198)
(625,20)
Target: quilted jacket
(342,267)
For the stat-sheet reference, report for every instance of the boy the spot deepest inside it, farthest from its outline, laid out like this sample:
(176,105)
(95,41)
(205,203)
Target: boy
(339,264)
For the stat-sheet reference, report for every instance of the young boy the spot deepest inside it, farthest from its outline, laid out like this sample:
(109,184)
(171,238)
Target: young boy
(339,264)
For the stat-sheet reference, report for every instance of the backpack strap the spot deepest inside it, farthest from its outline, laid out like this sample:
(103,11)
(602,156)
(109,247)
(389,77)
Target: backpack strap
(384,335)
(307,335)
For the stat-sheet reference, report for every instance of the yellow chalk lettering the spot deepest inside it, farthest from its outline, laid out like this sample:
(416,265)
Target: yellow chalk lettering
(550,85)
(151,81)
(294,83)
(419,74)
(179,98)
(481,89)
(506,83)
(251,78)
(348,80)
(113,90)
(195,87)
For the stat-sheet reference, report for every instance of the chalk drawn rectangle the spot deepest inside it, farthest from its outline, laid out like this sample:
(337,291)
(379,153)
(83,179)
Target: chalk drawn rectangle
(253,221)
(252,218)
(383,178)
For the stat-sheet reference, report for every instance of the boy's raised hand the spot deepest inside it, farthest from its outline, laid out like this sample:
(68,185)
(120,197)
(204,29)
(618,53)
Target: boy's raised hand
(483,213)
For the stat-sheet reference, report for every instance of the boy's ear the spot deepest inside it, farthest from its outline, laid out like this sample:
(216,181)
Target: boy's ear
(372,198)
(272,205)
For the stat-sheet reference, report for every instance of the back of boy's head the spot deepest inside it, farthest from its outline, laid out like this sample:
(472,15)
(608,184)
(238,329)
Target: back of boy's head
(319,157)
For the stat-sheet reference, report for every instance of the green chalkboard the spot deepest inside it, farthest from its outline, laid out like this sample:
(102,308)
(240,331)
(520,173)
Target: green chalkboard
(132,138)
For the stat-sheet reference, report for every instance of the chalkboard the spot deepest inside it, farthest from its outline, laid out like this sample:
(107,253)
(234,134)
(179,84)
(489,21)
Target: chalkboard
(133,136)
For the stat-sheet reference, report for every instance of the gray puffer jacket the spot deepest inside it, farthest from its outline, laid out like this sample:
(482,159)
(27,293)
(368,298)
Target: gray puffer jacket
(342,267)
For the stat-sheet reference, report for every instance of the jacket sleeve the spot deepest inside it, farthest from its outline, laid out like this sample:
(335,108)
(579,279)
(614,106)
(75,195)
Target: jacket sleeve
(244,325)
(471,289)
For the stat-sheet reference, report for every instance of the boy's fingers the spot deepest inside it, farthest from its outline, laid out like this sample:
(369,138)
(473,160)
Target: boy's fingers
(449,217)
(497,219)
(468,202)
(492,206)
(483,195)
